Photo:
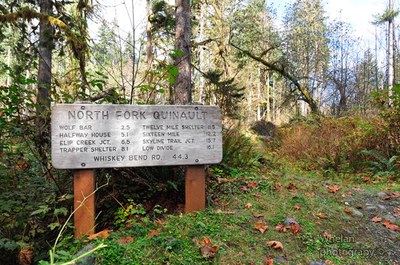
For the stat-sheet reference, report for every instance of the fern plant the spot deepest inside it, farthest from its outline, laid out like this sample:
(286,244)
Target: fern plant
(381,165)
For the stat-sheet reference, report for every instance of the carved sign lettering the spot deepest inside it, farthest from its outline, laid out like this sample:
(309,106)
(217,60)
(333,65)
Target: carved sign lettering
(101,136)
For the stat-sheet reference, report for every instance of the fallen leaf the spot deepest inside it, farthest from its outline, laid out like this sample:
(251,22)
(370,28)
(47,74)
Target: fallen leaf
(348,211)
(396,212)
(327,235)
(333,189)
(102,234)
(258,195)
(278,186)
(257,215)
(21,164)
(126,240)
(310,194)
(297,206)
(275,244)
(348,194)
(322,215)
(391,195)
(159,222)
(291,187)
(261,226)
(269,261)
(376,219)
(248,205)
(295,228)
(366,178)
(252,185)
(391,226)
(225,212)
(243,188)
(206,241)
(214,249)
(208,250)
(153,233)
(281,228)
(222,180)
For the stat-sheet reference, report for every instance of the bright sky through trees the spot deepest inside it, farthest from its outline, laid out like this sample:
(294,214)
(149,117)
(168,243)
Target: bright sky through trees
(359,13)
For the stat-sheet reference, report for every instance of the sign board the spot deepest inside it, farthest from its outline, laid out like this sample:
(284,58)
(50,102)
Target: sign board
(101,136)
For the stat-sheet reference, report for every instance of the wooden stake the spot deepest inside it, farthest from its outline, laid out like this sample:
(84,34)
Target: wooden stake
(195,188)
(84,185)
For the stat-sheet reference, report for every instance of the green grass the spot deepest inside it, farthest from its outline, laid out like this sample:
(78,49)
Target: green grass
(229,224)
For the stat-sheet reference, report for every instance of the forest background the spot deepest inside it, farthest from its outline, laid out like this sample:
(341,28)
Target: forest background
(262,72)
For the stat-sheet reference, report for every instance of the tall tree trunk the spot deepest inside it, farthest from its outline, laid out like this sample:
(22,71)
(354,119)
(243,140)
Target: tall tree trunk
(376,61)
(278,98)
(134,70)
(8,64)
(250,101)
(268,98)
(44,79)
(260,80)
(149,52)
(183,90)
(120,54)
(273,98)
(201,53)
(390,53)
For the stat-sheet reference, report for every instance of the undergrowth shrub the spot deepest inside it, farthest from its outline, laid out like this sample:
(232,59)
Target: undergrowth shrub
(34,199)
(391,115)
(381,165)
(151,187)
(333,143)
(239,151)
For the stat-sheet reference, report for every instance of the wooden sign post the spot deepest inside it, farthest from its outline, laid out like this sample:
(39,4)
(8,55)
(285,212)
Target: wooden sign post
(88,136)
(195,189)
(84,186)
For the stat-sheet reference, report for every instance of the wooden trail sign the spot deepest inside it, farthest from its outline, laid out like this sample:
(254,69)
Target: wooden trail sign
(101,136)
(87,136)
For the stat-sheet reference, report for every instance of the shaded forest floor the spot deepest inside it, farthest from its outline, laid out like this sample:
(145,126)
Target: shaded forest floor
(269,216)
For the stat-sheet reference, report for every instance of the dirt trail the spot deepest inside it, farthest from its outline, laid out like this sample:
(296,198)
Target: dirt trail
(377,240)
